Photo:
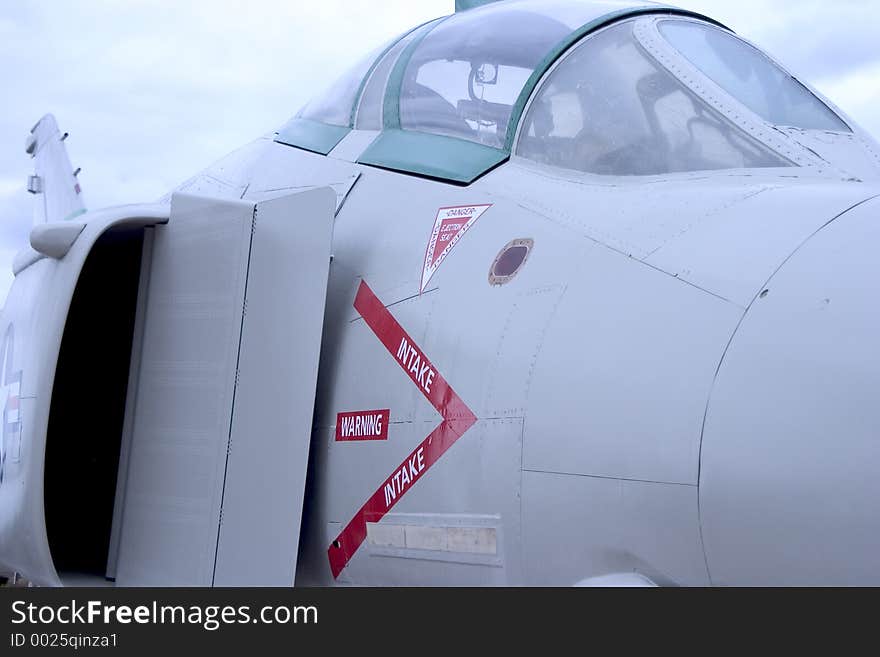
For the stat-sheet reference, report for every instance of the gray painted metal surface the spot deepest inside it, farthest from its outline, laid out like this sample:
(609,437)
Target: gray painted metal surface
(676,387)
(185,393)
(36,320)
(223,412)
(54,240)
(788,487)
(581,526)
(275,390)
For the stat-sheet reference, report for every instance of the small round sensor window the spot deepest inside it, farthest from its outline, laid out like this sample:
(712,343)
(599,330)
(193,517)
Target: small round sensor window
(510,260)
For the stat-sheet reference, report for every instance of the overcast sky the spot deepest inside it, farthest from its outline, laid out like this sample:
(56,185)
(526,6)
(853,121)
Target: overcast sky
(152,91)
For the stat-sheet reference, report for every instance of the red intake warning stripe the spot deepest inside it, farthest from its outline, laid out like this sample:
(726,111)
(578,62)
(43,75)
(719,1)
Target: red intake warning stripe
(457,418)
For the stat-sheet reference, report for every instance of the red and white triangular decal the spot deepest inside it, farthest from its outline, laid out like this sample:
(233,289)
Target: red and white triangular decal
(449,227)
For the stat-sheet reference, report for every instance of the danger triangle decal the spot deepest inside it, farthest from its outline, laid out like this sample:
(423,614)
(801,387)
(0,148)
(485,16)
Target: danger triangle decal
(449,227)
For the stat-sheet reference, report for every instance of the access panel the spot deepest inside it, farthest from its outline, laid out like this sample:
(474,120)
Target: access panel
(225,392)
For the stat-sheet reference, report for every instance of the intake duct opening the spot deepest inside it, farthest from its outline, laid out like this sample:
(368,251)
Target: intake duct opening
(88,405)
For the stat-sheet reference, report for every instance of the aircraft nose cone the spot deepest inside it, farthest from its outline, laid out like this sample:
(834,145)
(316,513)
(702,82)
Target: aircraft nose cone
(790,463)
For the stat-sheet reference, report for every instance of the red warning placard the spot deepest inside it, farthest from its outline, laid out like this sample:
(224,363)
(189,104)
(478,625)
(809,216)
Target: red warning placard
(362,425)
(457,418)
(449,227)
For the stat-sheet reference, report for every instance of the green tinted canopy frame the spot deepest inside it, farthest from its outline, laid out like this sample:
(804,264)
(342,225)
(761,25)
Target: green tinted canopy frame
(448,159)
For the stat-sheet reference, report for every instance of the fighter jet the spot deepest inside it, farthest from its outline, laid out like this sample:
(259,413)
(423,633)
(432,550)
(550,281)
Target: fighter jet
(543,292)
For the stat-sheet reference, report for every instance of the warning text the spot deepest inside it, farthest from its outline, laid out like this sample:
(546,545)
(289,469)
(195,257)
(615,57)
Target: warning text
(398,483)
(362,425)
(415,363)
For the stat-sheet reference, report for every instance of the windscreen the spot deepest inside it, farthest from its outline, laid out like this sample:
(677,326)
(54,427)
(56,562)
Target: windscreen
(608,108)
(750,77)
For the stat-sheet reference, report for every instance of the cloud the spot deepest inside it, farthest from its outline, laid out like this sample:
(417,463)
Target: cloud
(163,89)
(9,186)
(151,92)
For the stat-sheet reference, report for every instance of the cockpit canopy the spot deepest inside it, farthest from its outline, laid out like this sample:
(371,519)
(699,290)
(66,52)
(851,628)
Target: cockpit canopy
(598,87)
